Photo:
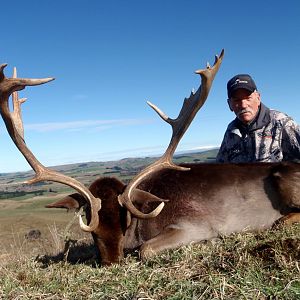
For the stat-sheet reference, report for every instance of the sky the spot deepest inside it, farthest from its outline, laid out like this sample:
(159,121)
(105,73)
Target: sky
(109,57)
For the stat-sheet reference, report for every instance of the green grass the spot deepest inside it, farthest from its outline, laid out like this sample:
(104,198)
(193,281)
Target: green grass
(242,266)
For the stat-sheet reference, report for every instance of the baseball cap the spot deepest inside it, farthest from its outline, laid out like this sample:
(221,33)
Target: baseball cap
(240,81)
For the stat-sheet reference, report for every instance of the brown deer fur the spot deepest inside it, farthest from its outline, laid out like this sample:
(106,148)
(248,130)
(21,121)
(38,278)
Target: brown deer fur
(205,202)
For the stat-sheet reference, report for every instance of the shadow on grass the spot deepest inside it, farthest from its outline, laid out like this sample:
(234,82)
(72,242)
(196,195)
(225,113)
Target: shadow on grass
(73,254)
(270,251)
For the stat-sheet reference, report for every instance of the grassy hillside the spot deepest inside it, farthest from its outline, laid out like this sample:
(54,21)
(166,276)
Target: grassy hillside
(12,187)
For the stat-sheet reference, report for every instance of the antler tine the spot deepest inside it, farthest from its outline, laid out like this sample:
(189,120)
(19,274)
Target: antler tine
(1,71)
(14,125)
(159,112)
(179,125)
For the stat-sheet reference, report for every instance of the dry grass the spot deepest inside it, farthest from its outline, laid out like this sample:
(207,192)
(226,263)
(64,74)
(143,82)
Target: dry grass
(242,266)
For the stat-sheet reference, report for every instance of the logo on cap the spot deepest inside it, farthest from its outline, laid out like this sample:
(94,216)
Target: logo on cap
(238,81)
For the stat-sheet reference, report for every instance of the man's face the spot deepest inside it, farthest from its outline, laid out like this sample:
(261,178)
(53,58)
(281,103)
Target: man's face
(244,104)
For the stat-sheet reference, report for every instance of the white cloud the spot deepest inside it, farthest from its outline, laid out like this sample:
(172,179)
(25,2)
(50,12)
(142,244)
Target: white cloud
(208,147)
(157,150)
(97,125)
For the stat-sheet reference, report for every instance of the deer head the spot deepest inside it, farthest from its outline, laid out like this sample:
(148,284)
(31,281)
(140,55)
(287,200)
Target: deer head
(117,228)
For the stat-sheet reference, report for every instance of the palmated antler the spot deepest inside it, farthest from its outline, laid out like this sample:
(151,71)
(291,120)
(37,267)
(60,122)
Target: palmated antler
(179,125)
(14,125)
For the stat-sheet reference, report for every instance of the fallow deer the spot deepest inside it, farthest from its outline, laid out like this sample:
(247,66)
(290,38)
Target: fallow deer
(196,201)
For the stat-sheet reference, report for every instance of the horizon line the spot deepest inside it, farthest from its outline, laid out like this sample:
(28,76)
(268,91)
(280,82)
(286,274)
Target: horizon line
(180,152)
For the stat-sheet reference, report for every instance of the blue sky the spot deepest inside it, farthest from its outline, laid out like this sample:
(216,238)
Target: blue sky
(110,57)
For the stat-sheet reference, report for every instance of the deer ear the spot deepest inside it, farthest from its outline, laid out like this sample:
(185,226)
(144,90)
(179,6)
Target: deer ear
(140,197)
(73,201)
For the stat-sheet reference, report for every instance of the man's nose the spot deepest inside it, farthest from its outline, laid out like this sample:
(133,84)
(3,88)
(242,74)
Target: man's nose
(244,103)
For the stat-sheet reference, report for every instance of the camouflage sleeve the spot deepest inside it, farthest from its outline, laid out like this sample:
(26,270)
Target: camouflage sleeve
(222,155)
(290,141)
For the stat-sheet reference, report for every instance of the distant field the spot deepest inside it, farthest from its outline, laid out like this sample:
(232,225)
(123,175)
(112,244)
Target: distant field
(18,217)
(11,186)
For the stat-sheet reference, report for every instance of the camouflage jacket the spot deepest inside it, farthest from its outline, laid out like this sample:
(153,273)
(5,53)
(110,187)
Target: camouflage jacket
(272,136)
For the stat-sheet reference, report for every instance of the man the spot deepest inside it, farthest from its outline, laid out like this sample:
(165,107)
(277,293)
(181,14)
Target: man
(258,134)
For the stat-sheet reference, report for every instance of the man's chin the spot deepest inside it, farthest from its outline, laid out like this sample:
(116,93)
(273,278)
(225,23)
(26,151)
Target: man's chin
(245,118)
